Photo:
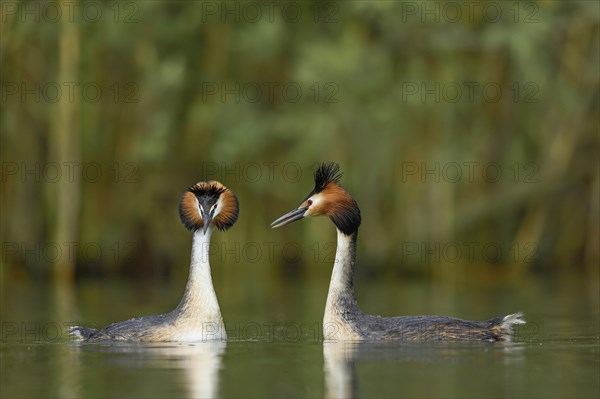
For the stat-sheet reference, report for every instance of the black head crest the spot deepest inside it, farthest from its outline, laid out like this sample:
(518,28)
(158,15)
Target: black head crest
(325,174)
(207,190)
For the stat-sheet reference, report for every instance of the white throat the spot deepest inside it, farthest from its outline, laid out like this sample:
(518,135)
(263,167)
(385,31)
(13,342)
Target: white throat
(340,298)
(343,266)
(199,316)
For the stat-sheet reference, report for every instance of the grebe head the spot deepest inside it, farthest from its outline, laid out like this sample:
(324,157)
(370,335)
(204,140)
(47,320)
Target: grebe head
(328,198)
(208,202)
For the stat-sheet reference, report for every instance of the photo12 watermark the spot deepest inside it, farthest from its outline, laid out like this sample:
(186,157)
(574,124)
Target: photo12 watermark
(471,172)
(52,252)
(51,12)
(72,92)
(453,12)
(70,171)
(252,172)
(468,252)
(270,92)
(264,331)
(250,12)
(469,92)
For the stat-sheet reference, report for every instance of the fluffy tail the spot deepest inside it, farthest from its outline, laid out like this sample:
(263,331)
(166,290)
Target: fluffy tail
(81,333)
(505,330)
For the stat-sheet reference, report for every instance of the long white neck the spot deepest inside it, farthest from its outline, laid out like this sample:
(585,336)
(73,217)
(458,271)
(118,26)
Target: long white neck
(341,306)
(198,314)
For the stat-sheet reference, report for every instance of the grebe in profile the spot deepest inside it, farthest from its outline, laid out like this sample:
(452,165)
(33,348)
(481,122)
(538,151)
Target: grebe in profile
(343,319)
(198,316)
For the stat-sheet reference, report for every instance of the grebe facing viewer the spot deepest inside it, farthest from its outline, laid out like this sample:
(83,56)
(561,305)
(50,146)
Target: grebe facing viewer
(343,319)
(198,316)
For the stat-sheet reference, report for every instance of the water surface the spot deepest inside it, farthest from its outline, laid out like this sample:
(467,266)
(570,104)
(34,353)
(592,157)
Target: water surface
(276,349)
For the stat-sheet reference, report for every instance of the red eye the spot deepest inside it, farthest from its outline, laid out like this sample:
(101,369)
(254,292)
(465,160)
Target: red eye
(309,202)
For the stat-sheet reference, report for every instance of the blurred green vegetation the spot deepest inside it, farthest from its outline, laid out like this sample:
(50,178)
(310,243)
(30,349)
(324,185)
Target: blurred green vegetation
(422,109)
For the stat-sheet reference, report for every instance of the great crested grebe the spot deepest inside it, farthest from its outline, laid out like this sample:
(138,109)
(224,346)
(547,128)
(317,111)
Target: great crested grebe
(343,319)
(198,316)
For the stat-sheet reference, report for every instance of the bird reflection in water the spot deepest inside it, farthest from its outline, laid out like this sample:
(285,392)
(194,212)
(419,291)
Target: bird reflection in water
(200,362)
(342,357)
(340,372)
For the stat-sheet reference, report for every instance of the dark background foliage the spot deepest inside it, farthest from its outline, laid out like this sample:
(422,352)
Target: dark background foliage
(469,140)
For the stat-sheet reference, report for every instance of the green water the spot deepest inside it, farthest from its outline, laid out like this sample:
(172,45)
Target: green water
(275,348)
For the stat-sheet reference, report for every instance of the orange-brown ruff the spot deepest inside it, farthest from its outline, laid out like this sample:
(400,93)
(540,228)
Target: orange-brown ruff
(343,319)
(188,207)
(198,316)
